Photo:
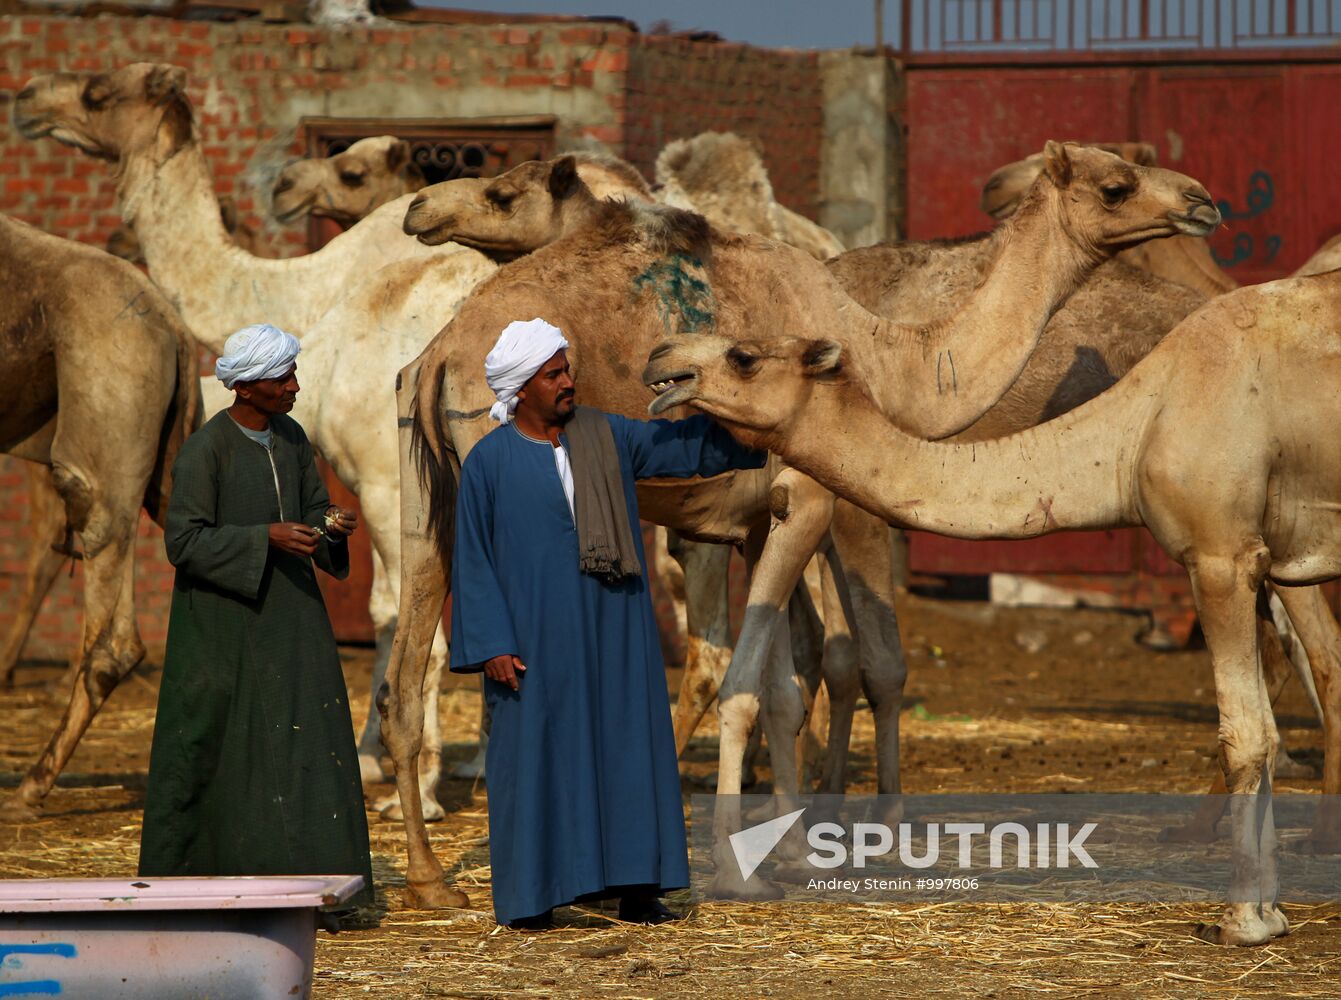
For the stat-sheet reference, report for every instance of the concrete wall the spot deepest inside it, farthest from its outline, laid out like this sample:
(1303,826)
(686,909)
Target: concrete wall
(861,150)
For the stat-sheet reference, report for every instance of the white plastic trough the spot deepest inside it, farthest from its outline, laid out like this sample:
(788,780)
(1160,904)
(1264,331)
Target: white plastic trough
(164,938)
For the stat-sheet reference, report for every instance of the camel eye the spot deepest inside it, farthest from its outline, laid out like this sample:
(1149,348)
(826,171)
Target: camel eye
(500,198)
(354,178)
(96,93)
(743,361)
(1113,194)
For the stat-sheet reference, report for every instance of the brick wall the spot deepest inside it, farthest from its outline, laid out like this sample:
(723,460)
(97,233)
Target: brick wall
(251,83)
(678,88)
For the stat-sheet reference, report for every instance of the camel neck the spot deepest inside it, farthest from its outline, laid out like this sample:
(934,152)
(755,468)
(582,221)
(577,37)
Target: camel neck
(934,380)
(1072,473)
(176,217)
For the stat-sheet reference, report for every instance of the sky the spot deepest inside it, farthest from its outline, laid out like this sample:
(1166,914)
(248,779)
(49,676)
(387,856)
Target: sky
(802,24)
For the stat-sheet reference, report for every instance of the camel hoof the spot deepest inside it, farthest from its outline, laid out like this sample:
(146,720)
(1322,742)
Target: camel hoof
(16,809)
(435,896)
(1278,924)
(1191,833)
(370,769)
(1240,933)
(755,890)
(389,809)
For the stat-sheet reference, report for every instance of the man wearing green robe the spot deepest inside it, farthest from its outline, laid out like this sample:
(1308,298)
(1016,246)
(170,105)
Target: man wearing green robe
(253,769)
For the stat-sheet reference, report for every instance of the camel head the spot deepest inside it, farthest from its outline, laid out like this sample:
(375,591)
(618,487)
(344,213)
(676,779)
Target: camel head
(1107,204)
(722,176)
(347,186)
(515,213)
(1002,193)
(756,388)
(138,109)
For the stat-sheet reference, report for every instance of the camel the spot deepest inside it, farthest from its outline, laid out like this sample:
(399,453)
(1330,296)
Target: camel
(1326,258)
(1206,442)
(348,186)
(542,204)
(140,119)
(619,286)
(722,177)
(125,244)
(102,390)
(1184,259)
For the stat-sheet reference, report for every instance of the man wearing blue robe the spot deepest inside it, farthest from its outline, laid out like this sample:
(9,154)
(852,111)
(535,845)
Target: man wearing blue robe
(551,603)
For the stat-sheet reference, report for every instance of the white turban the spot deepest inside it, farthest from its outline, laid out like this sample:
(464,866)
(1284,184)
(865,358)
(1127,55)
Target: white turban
(521,349)
(256,352)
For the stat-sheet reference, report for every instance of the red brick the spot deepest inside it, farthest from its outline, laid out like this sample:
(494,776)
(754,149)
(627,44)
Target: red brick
(21,186)
(70,185)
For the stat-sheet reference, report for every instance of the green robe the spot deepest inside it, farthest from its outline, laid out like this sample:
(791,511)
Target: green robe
(253,769)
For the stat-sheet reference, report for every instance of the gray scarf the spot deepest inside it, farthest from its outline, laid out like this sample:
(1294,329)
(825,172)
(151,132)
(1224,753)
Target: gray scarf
(604,536)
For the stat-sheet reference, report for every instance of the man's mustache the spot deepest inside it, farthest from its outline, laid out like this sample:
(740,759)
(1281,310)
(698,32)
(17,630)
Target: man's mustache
(568,394)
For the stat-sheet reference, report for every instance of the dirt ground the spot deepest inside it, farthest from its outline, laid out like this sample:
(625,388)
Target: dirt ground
(1087,709)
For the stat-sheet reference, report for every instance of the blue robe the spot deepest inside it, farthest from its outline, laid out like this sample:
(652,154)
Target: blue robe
(584,786)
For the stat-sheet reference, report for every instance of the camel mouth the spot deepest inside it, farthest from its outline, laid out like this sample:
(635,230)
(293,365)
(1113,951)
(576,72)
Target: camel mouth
(293,213)
(671,389)
(1198,221)
(44,128)
(435,235)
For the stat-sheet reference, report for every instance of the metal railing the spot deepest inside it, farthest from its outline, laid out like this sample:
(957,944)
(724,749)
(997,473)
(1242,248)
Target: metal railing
(928,26)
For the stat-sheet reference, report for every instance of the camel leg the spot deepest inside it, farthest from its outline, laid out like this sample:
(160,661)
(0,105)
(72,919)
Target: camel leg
(1321,636)
(47,533)
(430,751)
(867,558)
(842,676)
(807,648)
(1277,669)
(708,641)
(111,649)
(1225,587)
(801,512)
(382,528)
(382,608)
(400,700)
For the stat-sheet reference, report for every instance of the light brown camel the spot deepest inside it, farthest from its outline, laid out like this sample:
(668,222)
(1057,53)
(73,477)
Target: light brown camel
(1207,442)
(125,244)
(643,271)
(722,177)
(99,379)
(348,186)
(506,217)
(140,119)
(1326,258)
(1184,259)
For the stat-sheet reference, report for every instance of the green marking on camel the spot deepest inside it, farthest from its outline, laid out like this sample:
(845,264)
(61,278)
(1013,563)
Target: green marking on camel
(679,294)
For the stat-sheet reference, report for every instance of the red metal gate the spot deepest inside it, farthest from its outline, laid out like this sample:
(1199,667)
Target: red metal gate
(1262,130)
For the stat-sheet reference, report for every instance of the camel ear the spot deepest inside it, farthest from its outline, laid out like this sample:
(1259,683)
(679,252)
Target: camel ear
(164,82)
(1144,155)
(1057,163)
(563,177)
(822,359)
(397,155)
(228,212)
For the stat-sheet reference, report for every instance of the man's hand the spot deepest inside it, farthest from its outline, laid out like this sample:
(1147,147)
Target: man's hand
(294,538)
(340,522)
(506,669)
